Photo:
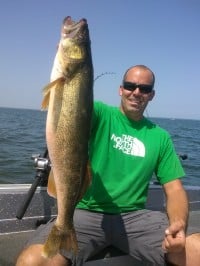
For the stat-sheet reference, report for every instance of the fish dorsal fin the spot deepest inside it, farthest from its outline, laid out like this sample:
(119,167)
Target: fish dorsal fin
(47,89)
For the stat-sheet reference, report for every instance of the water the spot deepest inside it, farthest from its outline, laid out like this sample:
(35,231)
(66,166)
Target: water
(22,133)
(186,136)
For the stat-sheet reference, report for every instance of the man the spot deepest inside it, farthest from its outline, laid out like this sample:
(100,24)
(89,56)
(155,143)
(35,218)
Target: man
(125,150)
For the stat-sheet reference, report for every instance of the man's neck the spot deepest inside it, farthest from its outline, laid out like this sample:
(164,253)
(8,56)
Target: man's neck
(132,116)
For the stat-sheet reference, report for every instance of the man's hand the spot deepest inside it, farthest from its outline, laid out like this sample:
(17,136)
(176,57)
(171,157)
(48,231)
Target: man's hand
(175,238)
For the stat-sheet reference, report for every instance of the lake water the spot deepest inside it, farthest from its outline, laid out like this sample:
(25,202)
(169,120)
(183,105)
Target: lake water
(22,133)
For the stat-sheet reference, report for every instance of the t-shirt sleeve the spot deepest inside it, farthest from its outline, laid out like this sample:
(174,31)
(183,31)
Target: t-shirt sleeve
(169,166)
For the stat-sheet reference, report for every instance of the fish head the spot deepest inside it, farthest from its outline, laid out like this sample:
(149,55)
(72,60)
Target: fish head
(74,43)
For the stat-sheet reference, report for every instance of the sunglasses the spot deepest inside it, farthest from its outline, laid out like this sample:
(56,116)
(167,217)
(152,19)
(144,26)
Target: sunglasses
(130,86)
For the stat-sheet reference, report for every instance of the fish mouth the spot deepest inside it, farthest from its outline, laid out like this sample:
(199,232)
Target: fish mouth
(75,30)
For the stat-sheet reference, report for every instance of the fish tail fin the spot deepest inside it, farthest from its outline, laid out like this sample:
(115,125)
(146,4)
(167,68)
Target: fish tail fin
(47,89)
(58,240)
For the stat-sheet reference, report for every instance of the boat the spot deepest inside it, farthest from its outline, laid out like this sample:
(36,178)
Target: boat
(23,207)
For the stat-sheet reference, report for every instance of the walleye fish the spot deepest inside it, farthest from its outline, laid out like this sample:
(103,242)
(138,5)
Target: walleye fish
(69,98)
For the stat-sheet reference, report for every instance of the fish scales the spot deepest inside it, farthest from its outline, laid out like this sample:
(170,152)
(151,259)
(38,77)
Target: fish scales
(69,97)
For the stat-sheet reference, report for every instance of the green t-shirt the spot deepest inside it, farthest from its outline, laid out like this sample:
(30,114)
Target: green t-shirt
(124,155)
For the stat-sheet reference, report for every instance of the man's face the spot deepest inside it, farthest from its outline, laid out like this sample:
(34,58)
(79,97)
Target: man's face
(134,98)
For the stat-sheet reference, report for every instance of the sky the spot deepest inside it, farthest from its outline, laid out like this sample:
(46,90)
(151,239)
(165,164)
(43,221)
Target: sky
(163,35)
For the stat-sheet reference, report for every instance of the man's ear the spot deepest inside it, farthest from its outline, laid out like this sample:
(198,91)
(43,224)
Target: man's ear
(120,91)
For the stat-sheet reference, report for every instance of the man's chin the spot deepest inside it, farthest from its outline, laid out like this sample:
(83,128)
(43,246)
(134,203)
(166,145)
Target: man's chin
(133,108)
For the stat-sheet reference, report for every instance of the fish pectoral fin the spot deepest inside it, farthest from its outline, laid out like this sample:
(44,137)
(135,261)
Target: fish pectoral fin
(58,83)
(51,186)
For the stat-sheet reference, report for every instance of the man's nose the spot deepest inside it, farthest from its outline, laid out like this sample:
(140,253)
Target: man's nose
(136,91)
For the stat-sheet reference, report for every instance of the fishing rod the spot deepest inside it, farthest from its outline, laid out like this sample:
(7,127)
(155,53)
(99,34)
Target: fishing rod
(43,167)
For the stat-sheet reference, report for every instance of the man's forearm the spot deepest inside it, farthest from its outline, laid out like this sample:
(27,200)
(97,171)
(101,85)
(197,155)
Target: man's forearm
(177,206)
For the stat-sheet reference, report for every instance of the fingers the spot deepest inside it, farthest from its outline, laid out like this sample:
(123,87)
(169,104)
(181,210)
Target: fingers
(174,241)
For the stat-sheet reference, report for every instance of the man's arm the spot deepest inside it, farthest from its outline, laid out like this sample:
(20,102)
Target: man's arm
(177,210)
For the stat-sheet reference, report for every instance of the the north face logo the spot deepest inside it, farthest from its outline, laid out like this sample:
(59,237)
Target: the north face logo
(129,145)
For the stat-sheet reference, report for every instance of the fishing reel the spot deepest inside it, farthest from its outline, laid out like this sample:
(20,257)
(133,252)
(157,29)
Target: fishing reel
(43,167)
(41,163)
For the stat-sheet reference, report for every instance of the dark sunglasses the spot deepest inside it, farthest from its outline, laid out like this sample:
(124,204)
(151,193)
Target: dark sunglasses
(145,89)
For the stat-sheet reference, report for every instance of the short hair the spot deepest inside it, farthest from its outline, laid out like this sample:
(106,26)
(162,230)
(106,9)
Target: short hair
(141,67)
